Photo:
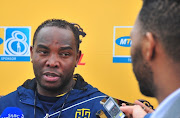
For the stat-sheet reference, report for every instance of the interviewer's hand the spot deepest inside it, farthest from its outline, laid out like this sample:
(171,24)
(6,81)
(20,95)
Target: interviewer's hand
(146,108)
(136,111)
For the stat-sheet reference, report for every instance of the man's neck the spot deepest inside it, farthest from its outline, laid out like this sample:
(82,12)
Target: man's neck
(166,80)
(166,74)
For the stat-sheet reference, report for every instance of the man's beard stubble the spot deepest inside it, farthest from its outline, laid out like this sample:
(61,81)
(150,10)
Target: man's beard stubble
(143,73)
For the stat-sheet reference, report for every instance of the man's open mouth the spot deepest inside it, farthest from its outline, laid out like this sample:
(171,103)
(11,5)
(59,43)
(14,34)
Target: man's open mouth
(50,76)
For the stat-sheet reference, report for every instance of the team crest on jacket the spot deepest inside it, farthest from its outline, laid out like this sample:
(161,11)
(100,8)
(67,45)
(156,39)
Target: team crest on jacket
(82,113)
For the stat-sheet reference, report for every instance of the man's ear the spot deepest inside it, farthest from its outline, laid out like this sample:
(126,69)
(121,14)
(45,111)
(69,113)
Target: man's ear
(78,57)
(148,47)
(31,50)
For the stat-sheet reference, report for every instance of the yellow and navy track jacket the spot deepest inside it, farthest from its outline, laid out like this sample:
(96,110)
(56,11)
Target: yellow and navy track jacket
(82,102)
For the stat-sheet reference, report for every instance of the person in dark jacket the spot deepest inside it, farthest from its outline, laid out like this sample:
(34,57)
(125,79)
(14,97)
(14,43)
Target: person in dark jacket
(55,92)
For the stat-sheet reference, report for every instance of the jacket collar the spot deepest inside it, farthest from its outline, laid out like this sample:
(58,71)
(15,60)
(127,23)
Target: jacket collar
(80,90)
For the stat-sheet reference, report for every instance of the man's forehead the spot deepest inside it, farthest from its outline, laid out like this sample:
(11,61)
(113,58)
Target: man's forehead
(52,28)
(55,31)
(57,35)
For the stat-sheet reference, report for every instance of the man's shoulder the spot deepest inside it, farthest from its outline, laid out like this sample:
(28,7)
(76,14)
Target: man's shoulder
(169,108)
(8,96)
(8,100)
(83,88)
(92,91)
(13,96)
(26,88)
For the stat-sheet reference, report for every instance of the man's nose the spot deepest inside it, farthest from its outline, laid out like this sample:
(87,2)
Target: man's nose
(52,61)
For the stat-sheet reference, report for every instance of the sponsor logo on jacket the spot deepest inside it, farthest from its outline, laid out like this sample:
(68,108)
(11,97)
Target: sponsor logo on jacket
(83,113)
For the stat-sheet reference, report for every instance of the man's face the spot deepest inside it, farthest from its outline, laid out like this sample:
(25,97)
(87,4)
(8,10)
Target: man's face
(141,68)
(54,57)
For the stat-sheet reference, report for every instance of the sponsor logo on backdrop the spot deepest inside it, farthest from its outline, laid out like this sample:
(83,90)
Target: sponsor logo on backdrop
(124,41)
(80,60)
(121,44)
(15,43)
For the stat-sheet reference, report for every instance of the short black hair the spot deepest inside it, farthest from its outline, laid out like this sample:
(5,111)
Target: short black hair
(162,19)
(75,28)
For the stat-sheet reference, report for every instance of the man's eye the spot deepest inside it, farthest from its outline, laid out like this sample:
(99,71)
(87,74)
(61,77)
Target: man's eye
(42,52)
(64,54)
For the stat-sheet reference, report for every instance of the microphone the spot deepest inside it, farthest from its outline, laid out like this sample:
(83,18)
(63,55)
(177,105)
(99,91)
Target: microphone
(12,112)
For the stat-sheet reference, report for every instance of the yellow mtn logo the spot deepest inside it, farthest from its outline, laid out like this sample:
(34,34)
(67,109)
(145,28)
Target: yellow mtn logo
(82,113)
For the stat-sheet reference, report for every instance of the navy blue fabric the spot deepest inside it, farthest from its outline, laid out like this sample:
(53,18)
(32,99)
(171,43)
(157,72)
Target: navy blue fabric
(47,102)
(85,98)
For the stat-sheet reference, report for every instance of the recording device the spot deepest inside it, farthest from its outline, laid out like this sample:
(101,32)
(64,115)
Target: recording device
(113,108)
(12,112)
(111,105)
